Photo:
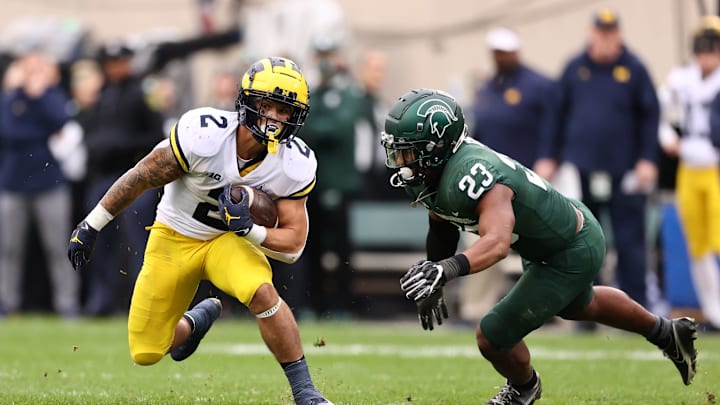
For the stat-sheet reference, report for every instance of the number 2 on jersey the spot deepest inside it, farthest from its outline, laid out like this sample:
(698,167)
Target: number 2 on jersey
(204,209)
(221,123)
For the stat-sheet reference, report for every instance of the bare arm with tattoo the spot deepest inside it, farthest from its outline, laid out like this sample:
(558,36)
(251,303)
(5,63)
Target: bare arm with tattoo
(155,170)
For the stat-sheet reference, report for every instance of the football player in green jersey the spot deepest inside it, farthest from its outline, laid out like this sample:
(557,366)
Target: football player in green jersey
(467,186)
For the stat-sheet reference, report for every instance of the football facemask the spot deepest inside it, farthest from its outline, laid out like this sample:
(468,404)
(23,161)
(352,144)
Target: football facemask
(422,130)
(279,80)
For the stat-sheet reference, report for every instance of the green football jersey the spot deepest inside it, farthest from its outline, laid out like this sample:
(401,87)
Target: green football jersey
(545,221)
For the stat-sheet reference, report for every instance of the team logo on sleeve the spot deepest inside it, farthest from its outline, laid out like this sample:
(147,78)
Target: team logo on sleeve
(439,115)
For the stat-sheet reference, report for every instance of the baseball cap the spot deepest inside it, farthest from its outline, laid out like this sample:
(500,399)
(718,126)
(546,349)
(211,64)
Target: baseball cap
(114,51)
(606,19)
(502,39)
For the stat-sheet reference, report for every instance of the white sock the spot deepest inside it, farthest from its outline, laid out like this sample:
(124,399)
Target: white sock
(706,279)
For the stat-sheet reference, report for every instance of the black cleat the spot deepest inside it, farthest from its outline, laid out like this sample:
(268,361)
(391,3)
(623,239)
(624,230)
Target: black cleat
(681,349)
(511,395)
(202,317)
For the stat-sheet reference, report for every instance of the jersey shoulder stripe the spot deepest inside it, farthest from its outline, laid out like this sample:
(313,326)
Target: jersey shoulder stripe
(304,191)
(177,150)
(299,166)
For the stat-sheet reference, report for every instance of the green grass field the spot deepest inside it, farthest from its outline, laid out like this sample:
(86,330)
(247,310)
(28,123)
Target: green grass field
(47,361)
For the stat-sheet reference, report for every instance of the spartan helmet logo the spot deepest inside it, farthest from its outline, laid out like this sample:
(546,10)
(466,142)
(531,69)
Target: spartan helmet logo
(439,115)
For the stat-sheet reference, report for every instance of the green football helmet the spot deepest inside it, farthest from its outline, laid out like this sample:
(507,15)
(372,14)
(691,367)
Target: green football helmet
(422,131)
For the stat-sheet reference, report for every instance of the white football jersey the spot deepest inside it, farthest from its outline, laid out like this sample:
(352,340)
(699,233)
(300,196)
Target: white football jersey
(692,95)
(204,144)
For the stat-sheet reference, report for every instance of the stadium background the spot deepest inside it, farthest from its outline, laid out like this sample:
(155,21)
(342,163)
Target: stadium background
(429,43)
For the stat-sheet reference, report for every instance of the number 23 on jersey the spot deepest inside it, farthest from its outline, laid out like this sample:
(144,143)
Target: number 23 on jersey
(480,178)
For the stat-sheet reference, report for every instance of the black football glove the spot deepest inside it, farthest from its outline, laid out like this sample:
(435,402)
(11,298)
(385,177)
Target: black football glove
(82,243)
(432,309)
(236,216)
(422,280)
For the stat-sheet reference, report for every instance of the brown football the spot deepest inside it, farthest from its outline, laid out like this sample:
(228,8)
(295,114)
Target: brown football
(262,208)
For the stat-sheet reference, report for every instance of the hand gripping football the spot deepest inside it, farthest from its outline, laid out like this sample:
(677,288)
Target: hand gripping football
(262,208)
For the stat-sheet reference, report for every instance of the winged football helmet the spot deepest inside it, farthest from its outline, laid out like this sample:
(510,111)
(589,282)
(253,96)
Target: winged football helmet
(422,130)
(278,79)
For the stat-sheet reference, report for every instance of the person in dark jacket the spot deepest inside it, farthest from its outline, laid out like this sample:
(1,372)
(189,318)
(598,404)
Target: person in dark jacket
(609,119)
(515,111)
(120,129)
(32,186)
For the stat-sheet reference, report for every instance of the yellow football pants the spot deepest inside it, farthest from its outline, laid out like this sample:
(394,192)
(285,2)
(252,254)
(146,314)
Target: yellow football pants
(698,199)
(173,267)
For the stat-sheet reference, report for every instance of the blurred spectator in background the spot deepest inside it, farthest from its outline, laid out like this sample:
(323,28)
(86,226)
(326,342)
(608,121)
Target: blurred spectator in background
(691,131)
(295,26)
(330,130)
(609,119)
(120,130)
(85,83)
(514,113)
(371,111)
(224,90)
(32,185)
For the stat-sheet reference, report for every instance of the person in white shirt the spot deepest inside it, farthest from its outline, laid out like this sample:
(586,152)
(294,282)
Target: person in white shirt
(687,100)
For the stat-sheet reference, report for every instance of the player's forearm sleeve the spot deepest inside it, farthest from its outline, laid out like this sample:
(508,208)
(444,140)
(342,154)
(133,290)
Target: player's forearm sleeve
(442,240)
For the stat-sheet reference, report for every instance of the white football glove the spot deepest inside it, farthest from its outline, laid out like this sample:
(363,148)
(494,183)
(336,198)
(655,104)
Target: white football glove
(422,280)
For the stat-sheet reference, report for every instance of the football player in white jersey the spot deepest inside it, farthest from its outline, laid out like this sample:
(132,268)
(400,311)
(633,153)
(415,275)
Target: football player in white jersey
(690,101)
(208,151)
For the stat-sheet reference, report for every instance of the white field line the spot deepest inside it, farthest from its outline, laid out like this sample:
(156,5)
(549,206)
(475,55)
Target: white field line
(466,351)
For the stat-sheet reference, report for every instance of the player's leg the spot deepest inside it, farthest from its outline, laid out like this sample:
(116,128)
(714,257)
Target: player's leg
(676,337)
(537,296)
(615,308)
(280,333)
(499,338)
(240,269)
(544,290)
(167,282)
